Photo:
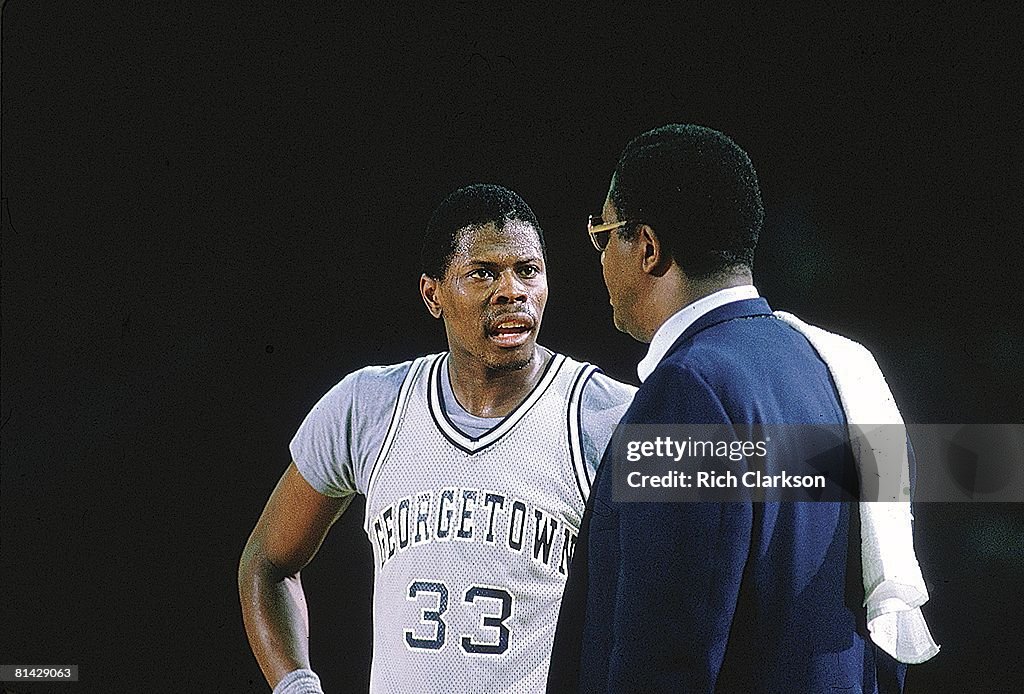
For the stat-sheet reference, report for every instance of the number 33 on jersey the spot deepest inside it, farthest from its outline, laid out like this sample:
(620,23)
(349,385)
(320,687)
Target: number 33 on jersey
(472,537)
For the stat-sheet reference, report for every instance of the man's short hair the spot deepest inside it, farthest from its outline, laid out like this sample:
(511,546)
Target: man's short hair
(697,190)
(471,206)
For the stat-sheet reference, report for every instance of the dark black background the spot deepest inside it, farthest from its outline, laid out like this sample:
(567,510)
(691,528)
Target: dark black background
(211,215)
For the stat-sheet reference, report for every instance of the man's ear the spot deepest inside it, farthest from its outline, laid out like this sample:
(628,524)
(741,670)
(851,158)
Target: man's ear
(653,260)
(428,290)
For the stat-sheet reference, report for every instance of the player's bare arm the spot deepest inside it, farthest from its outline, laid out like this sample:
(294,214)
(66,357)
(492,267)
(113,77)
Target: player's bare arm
(286,537)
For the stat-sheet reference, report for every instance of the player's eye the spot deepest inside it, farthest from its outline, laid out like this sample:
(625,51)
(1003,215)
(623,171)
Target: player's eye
(529,271)
(481,274)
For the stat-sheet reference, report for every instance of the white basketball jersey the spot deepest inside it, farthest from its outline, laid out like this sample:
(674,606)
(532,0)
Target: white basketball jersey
(472,537)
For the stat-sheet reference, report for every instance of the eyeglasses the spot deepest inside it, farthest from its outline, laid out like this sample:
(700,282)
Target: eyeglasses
(600,233)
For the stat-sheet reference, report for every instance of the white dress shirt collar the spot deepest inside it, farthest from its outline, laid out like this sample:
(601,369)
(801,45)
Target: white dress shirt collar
(678,322)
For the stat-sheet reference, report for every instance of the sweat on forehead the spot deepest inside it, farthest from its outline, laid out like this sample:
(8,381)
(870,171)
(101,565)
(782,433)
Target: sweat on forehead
(473,206)
(514,236)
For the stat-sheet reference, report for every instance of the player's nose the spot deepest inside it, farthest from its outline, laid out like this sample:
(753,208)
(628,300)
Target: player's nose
(509,288)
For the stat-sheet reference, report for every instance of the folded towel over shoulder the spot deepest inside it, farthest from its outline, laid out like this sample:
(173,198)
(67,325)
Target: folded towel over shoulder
(893,586)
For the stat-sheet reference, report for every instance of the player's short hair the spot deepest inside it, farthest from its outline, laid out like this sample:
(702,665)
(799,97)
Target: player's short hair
(471,206)
(697,190)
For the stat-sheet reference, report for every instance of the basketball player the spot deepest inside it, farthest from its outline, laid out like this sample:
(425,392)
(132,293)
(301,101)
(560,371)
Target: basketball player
(475,464)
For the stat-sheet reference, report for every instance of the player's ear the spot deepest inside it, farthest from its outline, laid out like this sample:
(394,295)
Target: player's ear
(428,290)
(654,260)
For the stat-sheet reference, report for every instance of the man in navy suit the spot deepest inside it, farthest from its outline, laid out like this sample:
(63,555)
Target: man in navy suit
(704,596)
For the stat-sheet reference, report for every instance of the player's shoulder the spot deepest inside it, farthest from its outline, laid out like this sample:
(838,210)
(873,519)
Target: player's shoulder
(604,391)
(600,390)
(383,375)
(375,384)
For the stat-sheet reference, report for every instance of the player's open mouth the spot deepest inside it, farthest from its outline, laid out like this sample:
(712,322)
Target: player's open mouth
(512,330)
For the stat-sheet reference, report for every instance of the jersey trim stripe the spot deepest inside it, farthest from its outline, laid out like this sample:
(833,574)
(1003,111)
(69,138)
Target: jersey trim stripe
(475,445)
(574,419)
(396,417)
(472,550)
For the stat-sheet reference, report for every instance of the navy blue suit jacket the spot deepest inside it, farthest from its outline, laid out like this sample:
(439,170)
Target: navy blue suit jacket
(722,596)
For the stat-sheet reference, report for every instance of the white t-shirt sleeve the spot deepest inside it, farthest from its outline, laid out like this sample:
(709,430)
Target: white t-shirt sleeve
(605,401)
(339,439)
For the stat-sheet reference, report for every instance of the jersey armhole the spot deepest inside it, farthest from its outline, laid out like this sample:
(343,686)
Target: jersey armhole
(574,416)
(389,437)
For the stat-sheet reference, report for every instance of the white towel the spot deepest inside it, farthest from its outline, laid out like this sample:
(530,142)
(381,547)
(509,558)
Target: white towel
(893,586)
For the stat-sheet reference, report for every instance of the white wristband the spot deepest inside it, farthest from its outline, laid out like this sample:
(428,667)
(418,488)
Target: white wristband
(302,681)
